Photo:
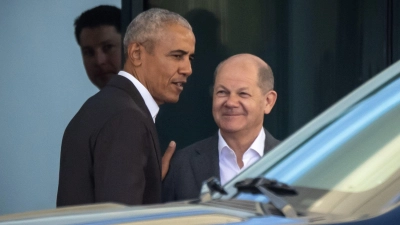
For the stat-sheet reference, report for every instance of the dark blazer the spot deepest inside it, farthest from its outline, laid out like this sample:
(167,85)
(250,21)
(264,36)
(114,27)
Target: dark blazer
(194,164)
(110,150)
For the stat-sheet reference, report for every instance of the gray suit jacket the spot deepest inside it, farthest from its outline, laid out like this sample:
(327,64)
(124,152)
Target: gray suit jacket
(192,165)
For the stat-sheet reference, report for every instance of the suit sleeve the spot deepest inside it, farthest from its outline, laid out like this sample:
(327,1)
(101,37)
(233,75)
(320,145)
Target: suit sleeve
(119,159)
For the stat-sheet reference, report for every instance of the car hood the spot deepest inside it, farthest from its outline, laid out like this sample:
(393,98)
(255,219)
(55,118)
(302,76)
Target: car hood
(173,213)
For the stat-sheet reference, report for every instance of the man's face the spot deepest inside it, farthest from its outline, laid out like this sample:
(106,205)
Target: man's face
(238,102)
(165,70)
(101,53)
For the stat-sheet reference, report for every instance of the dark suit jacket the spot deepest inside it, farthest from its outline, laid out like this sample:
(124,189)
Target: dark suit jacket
(194,164)
(110,150)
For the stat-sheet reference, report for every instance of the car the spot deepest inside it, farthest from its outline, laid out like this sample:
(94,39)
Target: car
(341,168)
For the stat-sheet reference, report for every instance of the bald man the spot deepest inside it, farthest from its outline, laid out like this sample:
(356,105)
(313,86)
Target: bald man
(243,93)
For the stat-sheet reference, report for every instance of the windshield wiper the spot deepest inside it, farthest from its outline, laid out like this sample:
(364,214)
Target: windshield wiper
(270,188)
(209,187)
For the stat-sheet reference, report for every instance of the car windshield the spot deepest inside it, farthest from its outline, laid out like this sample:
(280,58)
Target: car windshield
(357,152)
(350,166)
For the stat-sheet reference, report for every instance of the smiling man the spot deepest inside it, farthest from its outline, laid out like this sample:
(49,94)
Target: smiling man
(110,150)
(243,94)
(98,33)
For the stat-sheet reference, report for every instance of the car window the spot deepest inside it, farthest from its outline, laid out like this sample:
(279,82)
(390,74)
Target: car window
(357,152)
(350,166)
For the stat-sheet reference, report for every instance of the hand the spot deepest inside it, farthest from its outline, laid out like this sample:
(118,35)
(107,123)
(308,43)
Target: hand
(167,158)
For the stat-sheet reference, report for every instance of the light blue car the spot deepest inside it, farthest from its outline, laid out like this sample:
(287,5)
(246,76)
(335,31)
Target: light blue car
(341,168)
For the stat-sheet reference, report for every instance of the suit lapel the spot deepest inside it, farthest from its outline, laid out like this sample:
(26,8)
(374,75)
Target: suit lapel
(126,85)
(205,162)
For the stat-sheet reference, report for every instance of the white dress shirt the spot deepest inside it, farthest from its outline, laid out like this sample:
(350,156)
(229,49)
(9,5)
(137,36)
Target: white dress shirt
(148,99)
(228,167)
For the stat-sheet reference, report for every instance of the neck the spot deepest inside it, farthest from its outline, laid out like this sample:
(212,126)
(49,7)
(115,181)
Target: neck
(131,70)
(239,142)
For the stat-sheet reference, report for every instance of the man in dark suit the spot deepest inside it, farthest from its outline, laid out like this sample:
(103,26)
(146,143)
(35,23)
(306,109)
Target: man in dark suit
(243,93)
(110,150)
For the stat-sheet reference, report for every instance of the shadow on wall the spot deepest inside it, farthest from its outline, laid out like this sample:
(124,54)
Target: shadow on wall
(191,120)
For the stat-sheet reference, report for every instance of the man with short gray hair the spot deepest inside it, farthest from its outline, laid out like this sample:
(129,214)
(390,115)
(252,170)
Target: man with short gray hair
(243,93)
(110,150)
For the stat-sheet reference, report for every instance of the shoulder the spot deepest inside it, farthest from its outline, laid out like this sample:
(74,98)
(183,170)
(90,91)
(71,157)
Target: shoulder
(112,102)
(110,96)
(198,147)
(183,156)
(270,141)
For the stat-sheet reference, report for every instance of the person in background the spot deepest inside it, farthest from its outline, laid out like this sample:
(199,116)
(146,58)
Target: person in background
(243,93)
(110,150)
(98,33)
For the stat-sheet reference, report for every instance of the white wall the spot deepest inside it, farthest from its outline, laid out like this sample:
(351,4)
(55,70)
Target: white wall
(42,85)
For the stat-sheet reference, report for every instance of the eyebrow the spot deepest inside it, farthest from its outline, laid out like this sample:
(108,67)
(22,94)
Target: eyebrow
(240,89)
(181,52)
(107,41)
(220,86)
(244,89)
(87,48)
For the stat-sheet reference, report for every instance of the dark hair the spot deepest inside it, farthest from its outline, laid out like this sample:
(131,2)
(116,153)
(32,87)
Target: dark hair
(98,16)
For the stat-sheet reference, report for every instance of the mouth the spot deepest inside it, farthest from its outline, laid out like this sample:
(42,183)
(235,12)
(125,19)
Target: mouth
(179,84)
(231,115)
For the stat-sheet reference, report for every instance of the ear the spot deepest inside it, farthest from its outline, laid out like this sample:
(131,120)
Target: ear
(134,51)
(270,98)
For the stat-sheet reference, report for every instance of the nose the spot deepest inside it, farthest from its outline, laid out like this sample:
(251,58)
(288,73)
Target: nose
(100,58)
(186,68)
(232,101)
